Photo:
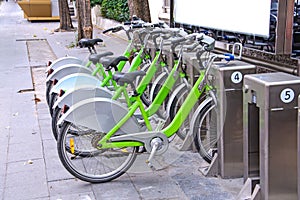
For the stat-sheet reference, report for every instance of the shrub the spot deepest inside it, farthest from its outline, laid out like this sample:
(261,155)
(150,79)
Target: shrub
(115,9)
(96,2)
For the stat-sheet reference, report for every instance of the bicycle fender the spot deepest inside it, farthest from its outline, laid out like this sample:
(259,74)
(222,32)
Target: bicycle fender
(65,70)
(76,95)
(197,112)
(74,81)
(100,114)
(63,61)
(175,93)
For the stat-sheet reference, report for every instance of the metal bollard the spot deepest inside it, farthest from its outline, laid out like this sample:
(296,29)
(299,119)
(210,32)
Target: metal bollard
(270,135)
(228,81)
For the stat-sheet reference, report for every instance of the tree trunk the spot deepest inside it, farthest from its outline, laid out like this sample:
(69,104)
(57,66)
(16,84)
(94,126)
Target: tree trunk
(85,26)
(140,8)
(64,15)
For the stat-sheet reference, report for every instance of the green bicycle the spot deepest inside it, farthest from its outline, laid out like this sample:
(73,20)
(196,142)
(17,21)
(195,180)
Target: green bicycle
(71,97)
(115,143)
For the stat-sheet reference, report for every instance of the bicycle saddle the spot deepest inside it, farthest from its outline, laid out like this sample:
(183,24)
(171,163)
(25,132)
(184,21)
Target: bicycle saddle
(129,77)
(112,62)
(84,42)
(95,58)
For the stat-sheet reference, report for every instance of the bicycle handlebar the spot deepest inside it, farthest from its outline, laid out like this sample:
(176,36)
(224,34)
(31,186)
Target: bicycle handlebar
(114,29)
(191,47)
(206,41)
(176,41)
(107,30)
(133,25)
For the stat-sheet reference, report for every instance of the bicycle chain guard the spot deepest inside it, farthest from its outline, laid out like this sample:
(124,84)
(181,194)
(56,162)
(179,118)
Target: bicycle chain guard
(146,138)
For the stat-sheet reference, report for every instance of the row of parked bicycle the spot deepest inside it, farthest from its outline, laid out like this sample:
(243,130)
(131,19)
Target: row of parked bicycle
(103,117)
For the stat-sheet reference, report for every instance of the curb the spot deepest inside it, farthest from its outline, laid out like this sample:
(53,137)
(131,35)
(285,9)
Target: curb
(104,23)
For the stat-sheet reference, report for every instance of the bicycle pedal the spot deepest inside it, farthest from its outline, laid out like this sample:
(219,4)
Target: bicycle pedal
(151,166)
(156,144)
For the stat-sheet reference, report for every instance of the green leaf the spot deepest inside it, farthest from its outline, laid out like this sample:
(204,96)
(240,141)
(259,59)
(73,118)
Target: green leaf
(115,9)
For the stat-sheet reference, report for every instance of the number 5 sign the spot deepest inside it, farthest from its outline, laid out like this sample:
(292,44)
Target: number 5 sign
(287,95)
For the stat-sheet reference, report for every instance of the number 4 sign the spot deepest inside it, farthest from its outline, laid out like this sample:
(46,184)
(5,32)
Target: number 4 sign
(236,77)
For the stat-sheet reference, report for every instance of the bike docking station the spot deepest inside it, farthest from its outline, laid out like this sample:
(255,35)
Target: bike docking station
(270,136)
(228,82)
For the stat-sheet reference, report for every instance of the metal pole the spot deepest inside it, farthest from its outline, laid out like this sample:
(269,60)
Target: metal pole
(171,13)
(284,30)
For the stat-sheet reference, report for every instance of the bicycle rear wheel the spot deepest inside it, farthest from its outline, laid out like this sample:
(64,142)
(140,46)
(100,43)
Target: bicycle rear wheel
(205,131)
(101,165)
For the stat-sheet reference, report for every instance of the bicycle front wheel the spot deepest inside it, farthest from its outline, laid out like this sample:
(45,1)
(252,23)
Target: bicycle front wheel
(55,117)
(180,93)
(205,131)
(48,89)
(145,97)
(53,99)
(101,165)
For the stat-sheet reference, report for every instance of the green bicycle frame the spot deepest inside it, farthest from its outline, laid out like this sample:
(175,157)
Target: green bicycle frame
(187,106)
(99,69)
(133,67)
(145,81)
(119,90)
(171,129)
(118,93)
(107,80)
(138,104)
(180,117)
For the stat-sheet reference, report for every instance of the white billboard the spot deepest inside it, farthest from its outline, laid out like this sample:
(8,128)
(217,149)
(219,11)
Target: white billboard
(243,16)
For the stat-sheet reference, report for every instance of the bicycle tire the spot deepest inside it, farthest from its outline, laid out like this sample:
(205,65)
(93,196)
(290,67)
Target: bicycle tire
(145,97)
(205,131)
(174,105)
(55,117)
(48,89)
(98,160)
(157,84)
(156,87)
(53,99)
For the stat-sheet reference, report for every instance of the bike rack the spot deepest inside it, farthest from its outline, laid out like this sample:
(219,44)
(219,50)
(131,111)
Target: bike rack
(228,81)
(270,135)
